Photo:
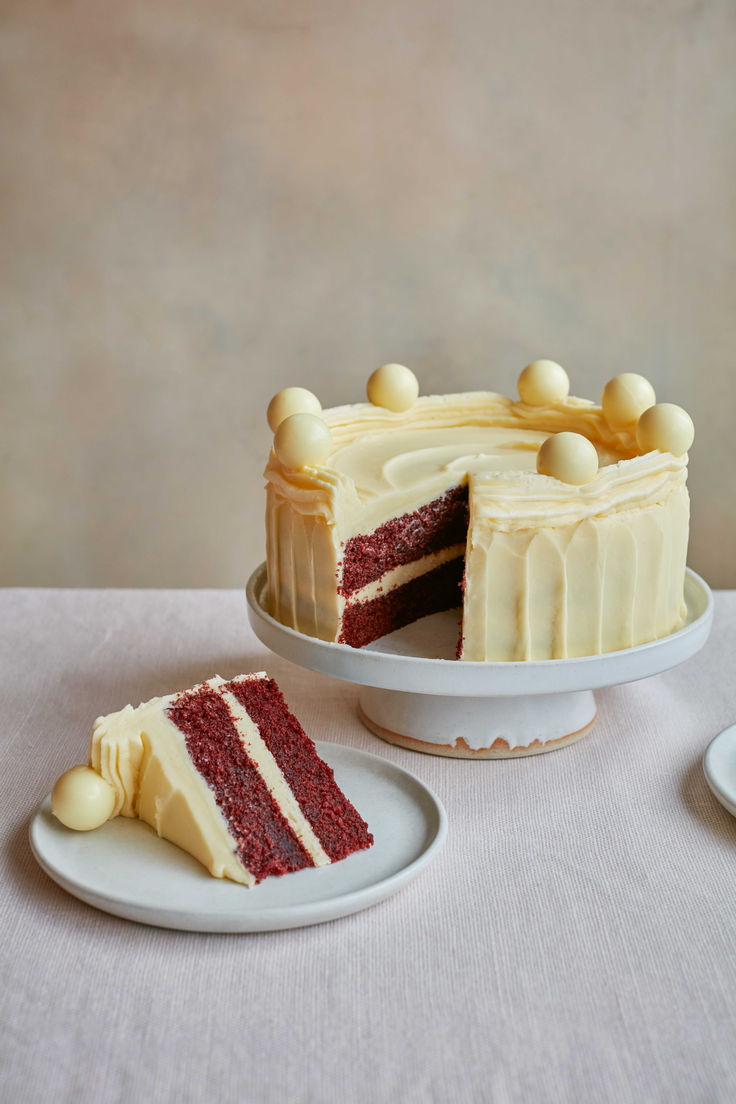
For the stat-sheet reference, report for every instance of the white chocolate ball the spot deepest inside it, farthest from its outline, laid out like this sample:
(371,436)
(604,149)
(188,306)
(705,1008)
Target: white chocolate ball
(569,457)
(81,799)
(543,382)
(302,439)
(666,427)
(625,398)
(394,387)
(292,400)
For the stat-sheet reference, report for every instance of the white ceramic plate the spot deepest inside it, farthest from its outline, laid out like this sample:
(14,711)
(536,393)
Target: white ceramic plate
(124,868)
(719,765)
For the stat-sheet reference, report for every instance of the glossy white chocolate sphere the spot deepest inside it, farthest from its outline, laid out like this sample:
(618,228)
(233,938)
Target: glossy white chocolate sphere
(666,427)
(292,400)
(394,387)
(625,398)
(542,382)
(302,439)
(569,457)
(81,799)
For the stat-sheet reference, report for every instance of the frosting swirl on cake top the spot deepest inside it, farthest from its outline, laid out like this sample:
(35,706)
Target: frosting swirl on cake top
(386,463)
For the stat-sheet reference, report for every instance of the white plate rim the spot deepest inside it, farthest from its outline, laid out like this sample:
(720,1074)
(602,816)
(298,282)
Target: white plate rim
(714,775)
(275,918)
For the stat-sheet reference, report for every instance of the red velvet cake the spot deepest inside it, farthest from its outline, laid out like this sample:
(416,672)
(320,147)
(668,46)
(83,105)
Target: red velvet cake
(225,771)
(556,526)
(436,530)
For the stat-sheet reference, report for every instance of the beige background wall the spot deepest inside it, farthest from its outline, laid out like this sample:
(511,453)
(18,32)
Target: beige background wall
(206,201)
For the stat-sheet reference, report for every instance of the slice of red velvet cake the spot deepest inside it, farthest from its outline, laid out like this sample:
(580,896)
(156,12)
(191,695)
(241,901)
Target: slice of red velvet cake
(226,771)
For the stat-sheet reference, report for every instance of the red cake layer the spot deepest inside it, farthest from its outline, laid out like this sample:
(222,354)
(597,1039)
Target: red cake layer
(336,823)
(402,540)
(265,843)
(432,592)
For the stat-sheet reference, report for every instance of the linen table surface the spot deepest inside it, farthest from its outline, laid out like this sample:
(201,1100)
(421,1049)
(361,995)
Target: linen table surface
(574,941)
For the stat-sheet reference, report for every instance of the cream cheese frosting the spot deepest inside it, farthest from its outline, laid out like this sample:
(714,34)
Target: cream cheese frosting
(142,755)
(384,463)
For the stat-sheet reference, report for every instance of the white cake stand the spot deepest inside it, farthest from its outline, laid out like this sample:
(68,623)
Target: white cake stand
(415,694)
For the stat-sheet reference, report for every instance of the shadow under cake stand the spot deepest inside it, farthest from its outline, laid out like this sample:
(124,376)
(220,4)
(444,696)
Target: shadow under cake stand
(414,693)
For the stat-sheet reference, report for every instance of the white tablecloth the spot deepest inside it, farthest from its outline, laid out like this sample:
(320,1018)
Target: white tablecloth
(574,941)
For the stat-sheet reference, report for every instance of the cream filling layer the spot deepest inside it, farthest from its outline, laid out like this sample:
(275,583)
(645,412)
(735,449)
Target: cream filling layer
(404,573)
(276,784)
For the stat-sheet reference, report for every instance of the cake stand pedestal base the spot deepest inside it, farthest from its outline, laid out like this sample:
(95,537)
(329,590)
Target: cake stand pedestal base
(477,727)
